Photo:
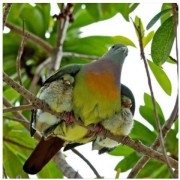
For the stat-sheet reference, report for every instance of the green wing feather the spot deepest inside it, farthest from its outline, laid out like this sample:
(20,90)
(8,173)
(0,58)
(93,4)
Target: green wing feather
(71,69)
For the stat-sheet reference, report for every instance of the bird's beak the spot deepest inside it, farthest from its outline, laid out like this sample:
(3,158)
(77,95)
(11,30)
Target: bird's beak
(125,49)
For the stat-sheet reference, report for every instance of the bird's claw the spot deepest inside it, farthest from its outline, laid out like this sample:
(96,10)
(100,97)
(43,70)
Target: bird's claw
(91,133)
(69,118)
(99,130)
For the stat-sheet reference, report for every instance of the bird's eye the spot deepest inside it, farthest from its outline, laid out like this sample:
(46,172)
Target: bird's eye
(113,47)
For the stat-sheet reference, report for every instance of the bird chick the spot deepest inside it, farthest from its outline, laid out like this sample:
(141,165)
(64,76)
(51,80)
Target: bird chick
(58,95)
(120,124)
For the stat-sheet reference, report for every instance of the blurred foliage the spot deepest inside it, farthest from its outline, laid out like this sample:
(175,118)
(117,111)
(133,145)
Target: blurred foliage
(18,144)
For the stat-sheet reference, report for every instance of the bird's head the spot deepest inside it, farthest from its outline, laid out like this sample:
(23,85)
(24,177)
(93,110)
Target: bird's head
(117,54)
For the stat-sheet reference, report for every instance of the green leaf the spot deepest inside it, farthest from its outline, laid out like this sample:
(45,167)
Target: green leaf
(12,163)
(128,162)
(171,60)
(11,94)
(156,18)
(171,143)
(139,25)
(162,42)
(148,38)
(161,172)
(50,171)
(94,45)
(94,12)
(168,14)
(44,8)
(121,150)
(133,6)
(142,133)
(123,40)
(126,8)
(161,77)
(176,127)
(147,111)
(33,20)
(150,169)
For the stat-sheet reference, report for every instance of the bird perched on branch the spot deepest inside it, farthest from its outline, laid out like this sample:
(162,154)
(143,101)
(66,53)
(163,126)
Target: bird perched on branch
(91,93)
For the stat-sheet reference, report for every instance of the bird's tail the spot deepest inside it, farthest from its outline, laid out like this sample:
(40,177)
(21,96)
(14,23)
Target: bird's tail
(42,154)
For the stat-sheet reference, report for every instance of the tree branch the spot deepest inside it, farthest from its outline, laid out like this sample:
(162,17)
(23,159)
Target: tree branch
(38,73)
(47,47)
(15,119)
(62,29)
(19,108)
(137,145)
(20,52)
(158,125)
(25,122)
(6,12)
(88,163)
(165,129)
(67,170)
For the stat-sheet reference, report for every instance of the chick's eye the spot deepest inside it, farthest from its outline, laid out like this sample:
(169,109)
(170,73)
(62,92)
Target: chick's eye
(113,47)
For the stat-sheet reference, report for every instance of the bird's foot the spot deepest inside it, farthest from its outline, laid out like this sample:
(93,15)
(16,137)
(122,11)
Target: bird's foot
(90,133)
(100,129)
(69,118)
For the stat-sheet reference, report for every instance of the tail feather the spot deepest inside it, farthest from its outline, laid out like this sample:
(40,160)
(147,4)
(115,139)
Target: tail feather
(42,154)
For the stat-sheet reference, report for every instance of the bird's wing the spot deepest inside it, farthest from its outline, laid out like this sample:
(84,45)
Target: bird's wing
(71,69)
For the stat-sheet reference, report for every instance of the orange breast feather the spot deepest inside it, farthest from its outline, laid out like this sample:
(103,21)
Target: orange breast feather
(104,84)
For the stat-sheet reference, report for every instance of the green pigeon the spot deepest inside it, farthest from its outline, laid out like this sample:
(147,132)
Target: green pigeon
(120,124)
(90,92)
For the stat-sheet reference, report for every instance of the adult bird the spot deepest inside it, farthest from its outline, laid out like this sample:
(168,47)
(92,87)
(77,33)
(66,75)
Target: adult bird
(90,93)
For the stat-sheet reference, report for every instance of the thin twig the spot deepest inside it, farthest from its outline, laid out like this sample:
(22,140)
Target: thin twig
(174,60)
(17,114)
(15,119)
(158,125)
(16,143)
(37,74)
(20,52)
(67,170)
(165,129)
(19,108)
(87,161)
(47,47)
(138,146)
(6,12)
(62,29)
(79,56)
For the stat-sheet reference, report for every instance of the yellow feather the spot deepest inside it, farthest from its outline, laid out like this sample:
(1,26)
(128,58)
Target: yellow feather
(95,99)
